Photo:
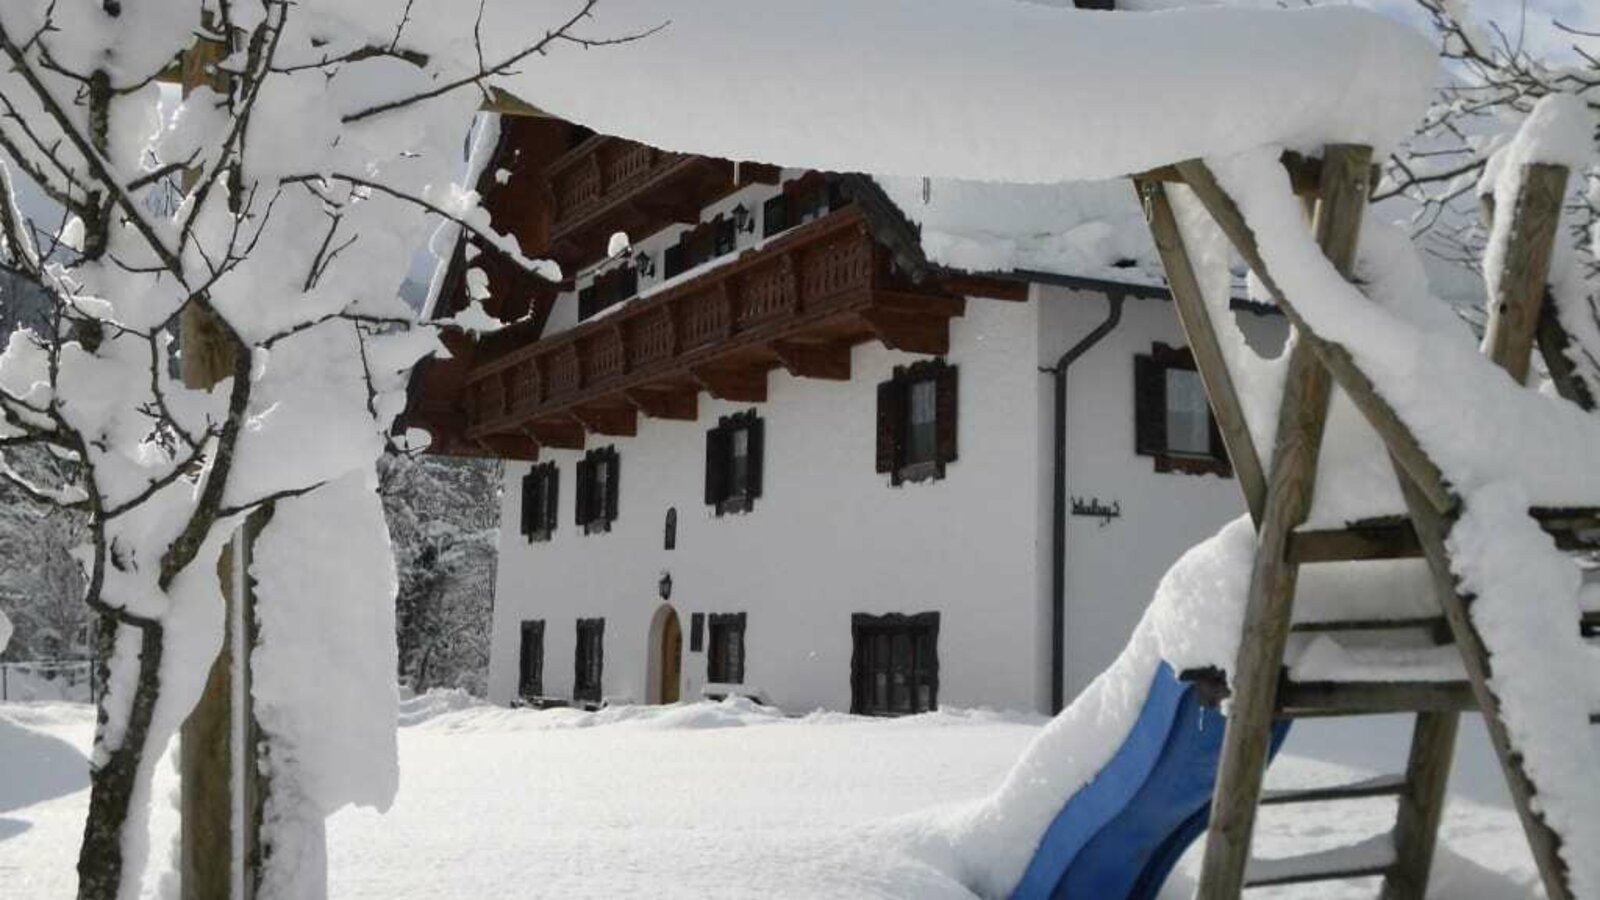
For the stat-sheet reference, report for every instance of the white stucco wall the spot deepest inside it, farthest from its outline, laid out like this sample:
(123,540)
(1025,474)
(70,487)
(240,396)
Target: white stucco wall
(1112,569)
(828,538)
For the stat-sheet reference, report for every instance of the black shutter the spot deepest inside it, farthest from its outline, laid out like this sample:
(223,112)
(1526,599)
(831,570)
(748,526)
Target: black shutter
(585,487)
(613,485)
(529,498)
(717,464)
(1149,407)
(775,215)
(946,408)
(697,632)
(552,497)
(891,423)
(757,428)
(672,261)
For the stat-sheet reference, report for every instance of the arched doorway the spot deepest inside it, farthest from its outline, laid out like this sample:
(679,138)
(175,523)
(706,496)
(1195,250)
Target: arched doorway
(665,656)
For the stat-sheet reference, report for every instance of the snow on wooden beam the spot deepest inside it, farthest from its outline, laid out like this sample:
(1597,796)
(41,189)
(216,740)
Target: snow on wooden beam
(675,405)
(736,385)
(811,360)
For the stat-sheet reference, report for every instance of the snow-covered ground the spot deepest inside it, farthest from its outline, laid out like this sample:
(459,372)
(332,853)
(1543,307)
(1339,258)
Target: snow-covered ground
(705,800)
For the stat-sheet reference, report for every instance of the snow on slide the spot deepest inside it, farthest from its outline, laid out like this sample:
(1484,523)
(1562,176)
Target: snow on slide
(1111,792)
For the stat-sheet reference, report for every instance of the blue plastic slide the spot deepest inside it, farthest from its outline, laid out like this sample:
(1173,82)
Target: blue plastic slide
(1120,835)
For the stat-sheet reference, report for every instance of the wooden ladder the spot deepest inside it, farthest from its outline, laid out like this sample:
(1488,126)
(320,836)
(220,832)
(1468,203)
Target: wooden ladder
(1280,501)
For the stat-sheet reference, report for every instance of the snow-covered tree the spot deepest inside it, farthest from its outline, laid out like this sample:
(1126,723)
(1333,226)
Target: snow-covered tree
(443,515)
(41,583)
(315,146)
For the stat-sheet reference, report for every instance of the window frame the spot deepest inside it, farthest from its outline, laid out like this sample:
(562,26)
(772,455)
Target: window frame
(530,677)
(922,630)
(894,421)
(719,669)
(541,499)
(721,493)
(595,514)
(586,658)
(1150,413)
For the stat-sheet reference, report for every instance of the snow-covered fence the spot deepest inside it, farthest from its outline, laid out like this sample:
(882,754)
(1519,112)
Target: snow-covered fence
(48,679)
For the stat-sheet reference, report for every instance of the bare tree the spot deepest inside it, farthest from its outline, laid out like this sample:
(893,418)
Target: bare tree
(255,231)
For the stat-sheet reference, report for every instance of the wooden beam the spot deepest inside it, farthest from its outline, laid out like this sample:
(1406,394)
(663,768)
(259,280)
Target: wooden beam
(920,304)
(827,361)
(676,405)
(1305,174)
(610,421)
(1421,808)
(564,434)
(509,446)
(1401,443)
(1525,268)
(1302,417)
(1433,530)
(1201,334)
(909,332)
(1553,345)
(1316,699)
(988,288)
(1379,786)
(737,385)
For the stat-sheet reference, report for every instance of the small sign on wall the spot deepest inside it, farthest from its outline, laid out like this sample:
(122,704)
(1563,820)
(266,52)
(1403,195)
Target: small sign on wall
(1092,508)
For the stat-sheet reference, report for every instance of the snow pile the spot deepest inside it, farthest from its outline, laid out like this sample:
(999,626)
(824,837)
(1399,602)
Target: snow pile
(1038,94)
(1194,622)
(430,705)
(324,672)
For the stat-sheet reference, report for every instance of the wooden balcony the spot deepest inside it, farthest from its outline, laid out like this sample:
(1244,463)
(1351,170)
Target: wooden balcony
(606,184)
(800,302)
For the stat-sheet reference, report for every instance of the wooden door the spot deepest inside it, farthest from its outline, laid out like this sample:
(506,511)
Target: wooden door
(671,657)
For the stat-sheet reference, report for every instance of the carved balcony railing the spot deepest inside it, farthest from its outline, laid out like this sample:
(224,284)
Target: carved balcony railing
(606,184)
(828,280)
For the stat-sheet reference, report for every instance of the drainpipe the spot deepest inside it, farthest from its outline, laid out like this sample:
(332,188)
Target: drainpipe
(1058,516)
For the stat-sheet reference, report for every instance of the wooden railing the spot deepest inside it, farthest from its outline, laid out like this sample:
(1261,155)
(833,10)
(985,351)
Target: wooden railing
(828,267)
(600,170)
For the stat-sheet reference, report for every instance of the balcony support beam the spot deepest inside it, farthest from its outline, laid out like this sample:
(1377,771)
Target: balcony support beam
(610,421)
(909,332)
(805,360)
(510,446)
(674,405)
(564,434)
(735,385)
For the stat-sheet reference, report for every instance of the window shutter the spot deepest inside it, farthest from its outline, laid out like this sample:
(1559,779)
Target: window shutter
(1149,407)
(613,486)
(552,497)
(529,499)
(585,487)
(757,428)
(891,421)
(716,465)
(946,409)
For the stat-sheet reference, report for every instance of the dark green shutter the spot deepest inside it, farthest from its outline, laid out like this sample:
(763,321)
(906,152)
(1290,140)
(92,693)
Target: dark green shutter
(946,409)
(613,486)
(758,441)
(891,423)
(528,500)
(1149,407)
(585,488)
(552,497)
(717,464)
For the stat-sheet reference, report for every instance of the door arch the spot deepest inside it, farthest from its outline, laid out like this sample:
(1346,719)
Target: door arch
(665,656)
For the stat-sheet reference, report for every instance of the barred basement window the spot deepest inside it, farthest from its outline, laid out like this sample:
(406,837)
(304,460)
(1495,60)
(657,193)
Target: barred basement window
(595,507)
(1172,418)
(917,411)
(734,451)
(589,660)
(894,669)
(530,661)
(725,655)
(541,489)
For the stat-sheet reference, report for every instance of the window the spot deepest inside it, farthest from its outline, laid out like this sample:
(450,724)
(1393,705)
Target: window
(530,661)
(917,421)
(894,669)
(589,660)
(541,489)
(596,503)
(608,290)
(1172,419)
(734,451)
(725,656)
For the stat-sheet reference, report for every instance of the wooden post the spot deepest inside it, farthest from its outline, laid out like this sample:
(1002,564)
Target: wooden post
(1525,269)
(1416,830)
(1201,334)
(216,751)
(1553,344)
(1302,417)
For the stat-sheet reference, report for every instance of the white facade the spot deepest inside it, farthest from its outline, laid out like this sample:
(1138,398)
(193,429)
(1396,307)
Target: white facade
(830,537)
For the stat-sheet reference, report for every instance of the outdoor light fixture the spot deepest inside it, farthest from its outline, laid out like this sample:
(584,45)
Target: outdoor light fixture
(644,265)
(743,220)
(665,586)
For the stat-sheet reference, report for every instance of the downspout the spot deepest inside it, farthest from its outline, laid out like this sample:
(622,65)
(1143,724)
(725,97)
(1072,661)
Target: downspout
(1058,517)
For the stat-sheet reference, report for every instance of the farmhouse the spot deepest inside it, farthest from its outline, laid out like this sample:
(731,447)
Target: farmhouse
(830,440)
